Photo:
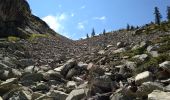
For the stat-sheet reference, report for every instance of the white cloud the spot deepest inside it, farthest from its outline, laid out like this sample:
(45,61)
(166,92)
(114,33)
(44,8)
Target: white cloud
(72,14)
(82,7)
(100,18)
(59,6)
(62,17)
(80,26)
(55,22)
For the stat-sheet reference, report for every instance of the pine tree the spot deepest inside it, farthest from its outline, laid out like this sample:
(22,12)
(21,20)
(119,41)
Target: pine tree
(104,32)
(168,13)
(128,27)
(87,36)
(93,33)
(132,27)
(157,16)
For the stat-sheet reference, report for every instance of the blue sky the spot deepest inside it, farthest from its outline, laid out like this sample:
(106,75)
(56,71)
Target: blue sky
(76,18)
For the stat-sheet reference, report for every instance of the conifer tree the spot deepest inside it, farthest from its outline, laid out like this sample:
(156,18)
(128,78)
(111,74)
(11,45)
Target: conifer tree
(157,16)
(168,13)
(128,27)
(104,32)
(93,33)
(87,36)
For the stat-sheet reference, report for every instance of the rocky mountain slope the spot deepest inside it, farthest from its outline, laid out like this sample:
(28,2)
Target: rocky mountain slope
(121,65)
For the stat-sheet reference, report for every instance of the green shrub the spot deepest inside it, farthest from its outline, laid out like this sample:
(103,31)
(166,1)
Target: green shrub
(132,53)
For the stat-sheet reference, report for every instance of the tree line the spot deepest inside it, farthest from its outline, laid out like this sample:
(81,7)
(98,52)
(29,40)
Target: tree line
(158,19)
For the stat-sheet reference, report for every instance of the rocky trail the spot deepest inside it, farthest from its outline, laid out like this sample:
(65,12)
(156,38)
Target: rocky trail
(36,64)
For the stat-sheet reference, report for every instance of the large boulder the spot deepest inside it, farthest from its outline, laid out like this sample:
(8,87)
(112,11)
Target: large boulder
(67,66)
(8,85)
(143,77)
(159,95)
(29,79)
(18,94)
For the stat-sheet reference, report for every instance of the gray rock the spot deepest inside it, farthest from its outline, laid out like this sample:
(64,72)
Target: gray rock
(31,69)
(44,97)
(71,84)
(159,95)
(152,48)
(78,94)
(120,50)
(52,75)
(67,66)
(71,73)
(16,73)
(26,62)
(120,44)
(82,65)
(36,95)
(103,83)
(148,87)
(131,65)
(19,53)
(141,57)
(29,79)
(101,52)
(165,65)
(41,87)
(57,95)
(154,53)
(143,77)
(8,85)
(18,94)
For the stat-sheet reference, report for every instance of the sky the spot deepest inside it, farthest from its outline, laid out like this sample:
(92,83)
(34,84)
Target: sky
(76,18)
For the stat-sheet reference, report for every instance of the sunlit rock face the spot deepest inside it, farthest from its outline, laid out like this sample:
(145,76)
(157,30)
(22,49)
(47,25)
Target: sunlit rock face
(16,20)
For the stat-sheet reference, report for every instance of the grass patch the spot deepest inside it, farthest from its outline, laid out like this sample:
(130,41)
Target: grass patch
(132,53)
(34,36)
(152,63)
(13,39)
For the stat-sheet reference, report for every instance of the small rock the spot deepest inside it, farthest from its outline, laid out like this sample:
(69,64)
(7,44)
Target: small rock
(154,53)
(141,57)
(26,62)
(131,65)
(120,44)
(119,50)
(41,87)
(71,84)
(90,66)
(101,52)
(165,65)
(78,94)
(31,69)
(52,75)
(58,95)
